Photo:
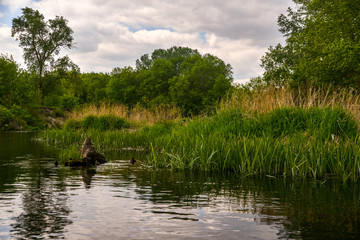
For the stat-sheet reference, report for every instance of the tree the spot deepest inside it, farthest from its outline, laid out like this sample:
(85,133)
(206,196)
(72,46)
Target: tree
(201,84)
(123,86)
(322,45)
(8,75)
(179,76)
(156,85)
(174,54)
(41,40)
(330,44)
(95,86)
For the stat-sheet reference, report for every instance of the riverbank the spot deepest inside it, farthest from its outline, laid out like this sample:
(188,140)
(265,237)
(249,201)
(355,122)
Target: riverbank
(314,137)
(18,118)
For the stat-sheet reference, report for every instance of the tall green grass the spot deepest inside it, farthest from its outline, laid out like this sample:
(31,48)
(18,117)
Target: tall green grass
(296,142)
(102,123)
(70,139)
(299,141)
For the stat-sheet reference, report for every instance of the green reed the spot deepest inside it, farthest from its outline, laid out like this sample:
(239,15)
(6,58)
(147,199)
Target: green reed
(297,142)
(293,142)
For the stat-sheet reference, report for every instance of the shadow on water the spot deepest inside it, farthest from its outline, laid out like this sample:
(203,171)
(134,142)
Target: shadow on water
(299,209)
(87,174)
(28,179)
(39,200)
(44,205)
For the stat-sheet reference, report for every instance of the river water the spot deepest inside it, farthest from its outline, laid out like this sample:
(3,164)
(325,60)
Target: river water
(119,200)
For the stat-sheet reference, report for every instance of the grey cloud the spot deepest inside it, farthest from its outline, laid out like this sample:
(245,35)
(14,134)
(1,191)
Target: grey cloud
(253,19)
(113,33)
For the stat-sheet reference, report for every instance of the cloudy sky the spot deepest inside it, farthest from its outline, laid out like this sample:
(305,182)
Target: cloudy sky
(114,33)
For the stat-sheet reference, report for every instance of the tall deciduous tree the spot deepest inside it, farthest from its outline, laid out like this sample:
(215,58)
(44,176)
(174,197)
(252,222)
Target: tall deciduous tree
(322,45)
(41,40)
(201,84)
(123,86)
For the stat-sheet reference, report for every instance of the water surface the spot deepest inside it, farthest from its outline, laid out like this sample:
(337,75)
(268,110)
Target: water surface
(119,200)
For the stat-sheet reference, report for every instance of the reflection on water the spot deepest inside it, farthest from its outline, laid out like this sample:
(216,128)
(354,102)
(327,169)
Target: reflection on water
(119,200)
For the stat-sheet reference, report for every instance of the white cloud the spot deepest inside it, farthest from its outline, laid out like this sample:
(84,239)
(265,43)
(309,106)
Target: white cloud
(15,5)
(8,45)
(114,33)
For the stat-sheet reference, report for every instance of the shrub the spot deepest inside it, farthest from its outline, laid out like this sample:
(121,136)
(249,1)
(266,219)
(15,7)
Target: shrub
(69,102)
(6,116)
(102,123)
(72,124)
(52,101)
(88,122)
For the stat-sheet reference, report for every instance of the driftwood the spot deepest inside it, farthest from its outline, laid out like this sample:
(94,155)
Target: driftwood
(89,157)
(88,154)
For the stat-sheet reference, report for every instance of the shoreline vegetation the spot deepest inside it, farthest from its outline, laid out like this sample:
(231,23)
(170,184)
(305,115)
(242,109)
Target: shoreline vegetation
(300,119)
(269,131)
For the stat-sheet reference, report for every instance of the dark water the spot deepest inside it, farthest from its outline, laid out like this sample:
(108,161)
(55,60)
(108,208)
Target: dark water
(121,201)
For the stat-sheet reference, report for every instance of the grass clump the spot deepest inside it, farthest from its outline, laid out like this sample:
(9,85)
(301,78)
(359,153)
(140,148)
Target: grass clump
(282,122)
(102,123)
(297,142)
(321,123)
(72,152)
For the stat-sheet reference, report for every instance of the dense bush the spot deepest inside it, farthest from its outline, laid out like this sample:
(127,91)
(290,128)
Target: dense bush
(69,102)
(17,118)
(6,116)
(321,46)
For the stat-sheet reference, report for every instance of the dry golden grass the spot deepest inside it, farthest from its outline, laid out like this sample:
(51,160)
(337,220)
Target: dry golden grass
(270,98)
(137,114)
(253,102)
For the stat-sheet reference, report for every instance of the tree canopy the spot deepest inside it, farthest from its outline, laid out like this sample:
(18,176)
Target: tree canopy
(322,45)
(41,40)
(179,76)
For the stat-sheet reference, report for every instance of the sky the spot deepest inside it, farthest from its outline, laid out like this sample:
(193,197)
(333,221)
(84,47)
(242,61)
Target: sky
(114,33)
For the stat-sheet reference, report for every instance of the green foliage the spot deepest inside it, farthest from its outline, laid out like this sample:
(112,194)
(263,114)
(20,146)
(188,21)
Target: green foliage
(322,123)
(277,64)
(157,130)
(288,142)
(182,77)
(123,86)
(6,116)
(17,118)
(95,86)
(41,40)
(71,152)
(69,102)
(18,97)
(322,45)
(157,82)
(177,76)
(176,55)
(102,123)
(71,124)
(52,101)
(202,83)
(8,74)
